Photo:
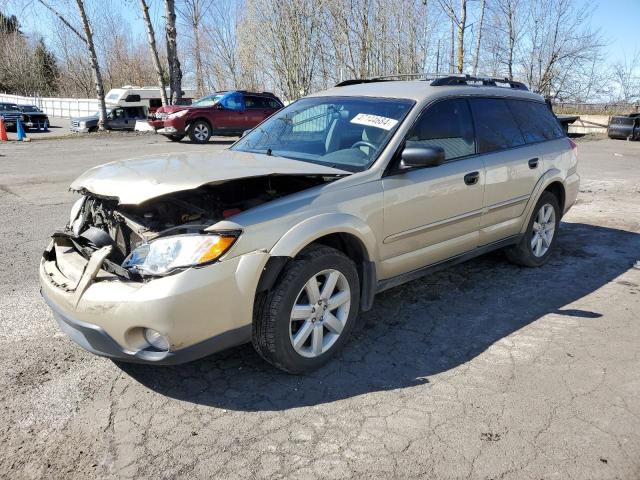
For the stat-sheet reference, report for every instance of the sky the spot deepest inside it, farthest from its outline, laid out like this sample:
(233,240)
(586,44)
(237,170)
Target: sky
(618,20)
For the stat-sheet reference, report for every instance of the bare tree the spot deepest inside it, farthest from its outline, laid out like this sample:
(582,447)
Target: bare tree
(175,71)
(626,73)
(476,56)
(194,12)
(87,38)
(151,40)
(507,21)
(459,22)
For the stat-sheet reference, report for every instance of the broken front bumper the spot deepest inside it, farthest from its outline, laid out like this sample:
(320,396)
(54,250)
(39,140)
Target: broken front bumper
(200,310)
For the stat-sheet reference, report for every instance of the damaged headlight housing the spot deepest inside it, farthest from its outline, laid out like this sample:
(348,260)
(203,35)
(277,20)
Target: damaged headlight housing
(163,255)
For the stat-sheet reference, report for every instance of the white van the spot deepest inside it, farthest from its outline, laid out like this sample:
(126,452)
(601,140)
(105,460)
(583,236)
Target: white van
(148,97)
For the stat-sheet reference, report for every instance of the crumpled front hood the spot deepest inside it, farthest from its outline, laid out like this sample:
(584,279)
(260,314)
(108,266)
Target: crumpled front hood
(140,179)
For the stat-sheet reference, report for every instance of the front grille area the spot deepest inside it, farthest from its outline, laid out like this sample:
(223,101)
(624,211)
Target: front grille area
(75,124)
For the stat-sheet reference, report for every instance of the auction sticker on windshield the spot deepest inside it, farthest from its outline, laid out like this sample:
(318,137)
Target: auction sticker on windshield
(374,121)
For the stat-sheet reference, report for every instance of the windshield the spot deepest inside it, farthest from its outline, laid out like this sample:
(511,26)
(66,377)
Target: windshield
(208,101)
(342,132)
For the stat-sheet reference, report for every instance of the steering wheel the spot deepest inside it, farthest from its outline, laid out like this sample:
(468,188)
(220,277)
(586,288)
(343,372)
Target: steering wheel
(364,143)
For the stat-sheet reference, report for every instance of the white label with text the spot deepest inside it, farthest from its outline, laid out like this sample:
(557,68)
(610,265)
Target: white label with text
(374,121)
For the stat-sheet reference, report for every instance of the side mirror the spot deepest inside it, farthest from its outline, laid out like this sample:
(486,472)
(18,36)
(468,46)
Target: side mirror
(219,106)
(421,157)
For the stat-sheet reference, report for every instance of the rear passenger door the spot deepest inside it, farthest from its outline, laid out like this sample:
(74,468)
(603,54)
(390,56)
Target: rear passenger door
(257,109)
(431,214)
(512,168)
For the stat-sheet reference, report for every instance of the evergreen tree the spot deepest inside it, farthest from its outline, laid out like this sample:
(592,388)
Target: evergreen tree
(46,68)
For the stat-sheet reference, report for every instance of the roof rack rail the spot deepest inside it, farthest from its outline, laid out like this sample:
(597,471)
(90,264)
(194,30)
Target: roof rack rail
(470,80)
(392,76)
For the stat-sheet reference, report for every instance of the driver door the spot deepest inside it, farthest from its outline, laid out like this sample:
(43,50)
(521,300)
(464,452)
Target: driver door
(232,116)
(117,119)
(432,214)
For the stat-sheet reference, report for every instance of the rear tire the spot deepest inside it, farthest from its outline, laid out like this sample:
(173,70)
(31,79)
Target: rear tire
(291,330)
(537,242)
(200,131)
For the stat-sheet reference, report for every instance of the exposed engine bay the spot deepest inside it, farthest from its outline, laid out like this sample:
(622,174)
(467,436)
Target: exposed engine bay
(100,222)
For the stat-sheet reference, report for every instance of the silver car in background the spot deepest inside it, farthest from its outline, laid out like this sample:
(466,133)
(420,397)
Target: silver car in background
(284,237)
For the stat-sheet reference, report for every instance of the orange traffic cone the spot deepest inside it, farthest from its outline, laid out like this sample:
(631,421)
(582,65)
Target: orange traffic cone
(3,131)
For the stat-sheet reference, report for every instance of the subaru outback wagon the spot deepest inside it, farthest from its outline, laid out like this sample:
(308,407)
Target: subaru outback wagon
(285,236)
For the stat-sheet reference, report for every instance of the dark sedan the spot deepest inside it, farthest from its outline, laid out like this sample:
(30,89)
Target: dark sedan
(34,118)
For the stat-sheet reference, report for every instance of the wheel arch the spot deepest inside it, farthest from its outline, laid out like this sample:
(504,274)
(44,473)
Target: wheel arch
(343,232)
(557,188)
(190,122)
(551,180)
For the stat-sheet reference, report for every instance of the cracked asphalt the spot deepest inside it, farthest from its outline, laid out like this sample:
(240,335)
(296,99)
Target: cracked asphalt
(485,370)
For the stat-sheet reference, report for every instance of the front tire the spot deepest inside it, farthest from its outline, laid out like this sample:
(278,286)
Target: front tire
(537,242)
(306,318)
(200,131)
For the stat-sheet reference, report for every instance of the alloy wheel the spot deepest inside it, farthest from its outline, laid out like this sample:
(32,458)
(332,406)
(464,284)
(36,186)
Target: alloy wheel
(201,132)
(544,227)
(320,313)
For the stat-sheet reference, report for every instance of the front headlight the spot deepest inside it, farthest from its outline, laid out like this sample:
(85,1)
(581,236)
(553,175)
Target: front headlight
(180,113)
(82,124)
(160,256)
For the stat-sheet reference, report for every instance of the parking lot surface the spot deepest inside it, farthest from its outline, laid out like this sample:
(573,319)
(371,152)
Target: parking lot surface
(484,370)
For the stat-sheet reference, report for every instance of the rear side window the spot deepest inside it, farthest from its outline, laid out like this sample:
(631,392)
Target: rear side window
(251,101)
(535,120)
(446,124)
(496,128)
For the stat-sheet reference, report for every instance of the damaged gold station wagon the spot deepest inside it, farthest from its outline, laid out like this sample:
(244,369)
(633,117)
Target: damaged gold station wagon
(282,238)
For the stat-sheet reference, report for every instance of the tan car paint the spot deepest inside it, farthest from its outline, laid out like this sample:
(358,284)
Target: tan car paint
(405,221)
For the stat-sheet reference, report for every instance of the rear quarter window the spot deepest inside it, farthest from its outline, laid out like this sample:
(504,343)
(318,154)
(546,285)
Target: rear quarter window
(535,120)
(496,128)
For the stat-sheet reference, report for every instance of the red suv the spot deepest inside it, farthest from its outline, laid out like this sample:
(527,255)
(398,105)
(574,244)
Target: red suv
(223,113)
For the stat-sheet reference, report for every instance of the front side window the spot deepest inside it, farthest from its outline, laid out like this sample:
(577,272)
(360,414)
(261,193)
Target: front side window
(536,121)
(496,129)
(233,101)
(446,124)
(345,132)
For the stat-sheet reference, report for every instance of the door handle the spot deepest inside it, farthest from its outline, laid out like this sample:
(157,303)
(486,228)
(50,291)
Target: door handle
(533,163)
(472,178)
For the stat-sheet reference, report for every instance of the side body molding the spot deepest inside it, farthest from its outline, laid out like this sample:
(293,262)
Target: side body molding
(318,226)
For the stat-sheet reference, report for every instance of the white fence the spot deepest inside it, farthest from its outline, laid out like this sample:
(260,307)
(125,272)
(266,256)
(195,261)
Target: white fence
(56,107)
